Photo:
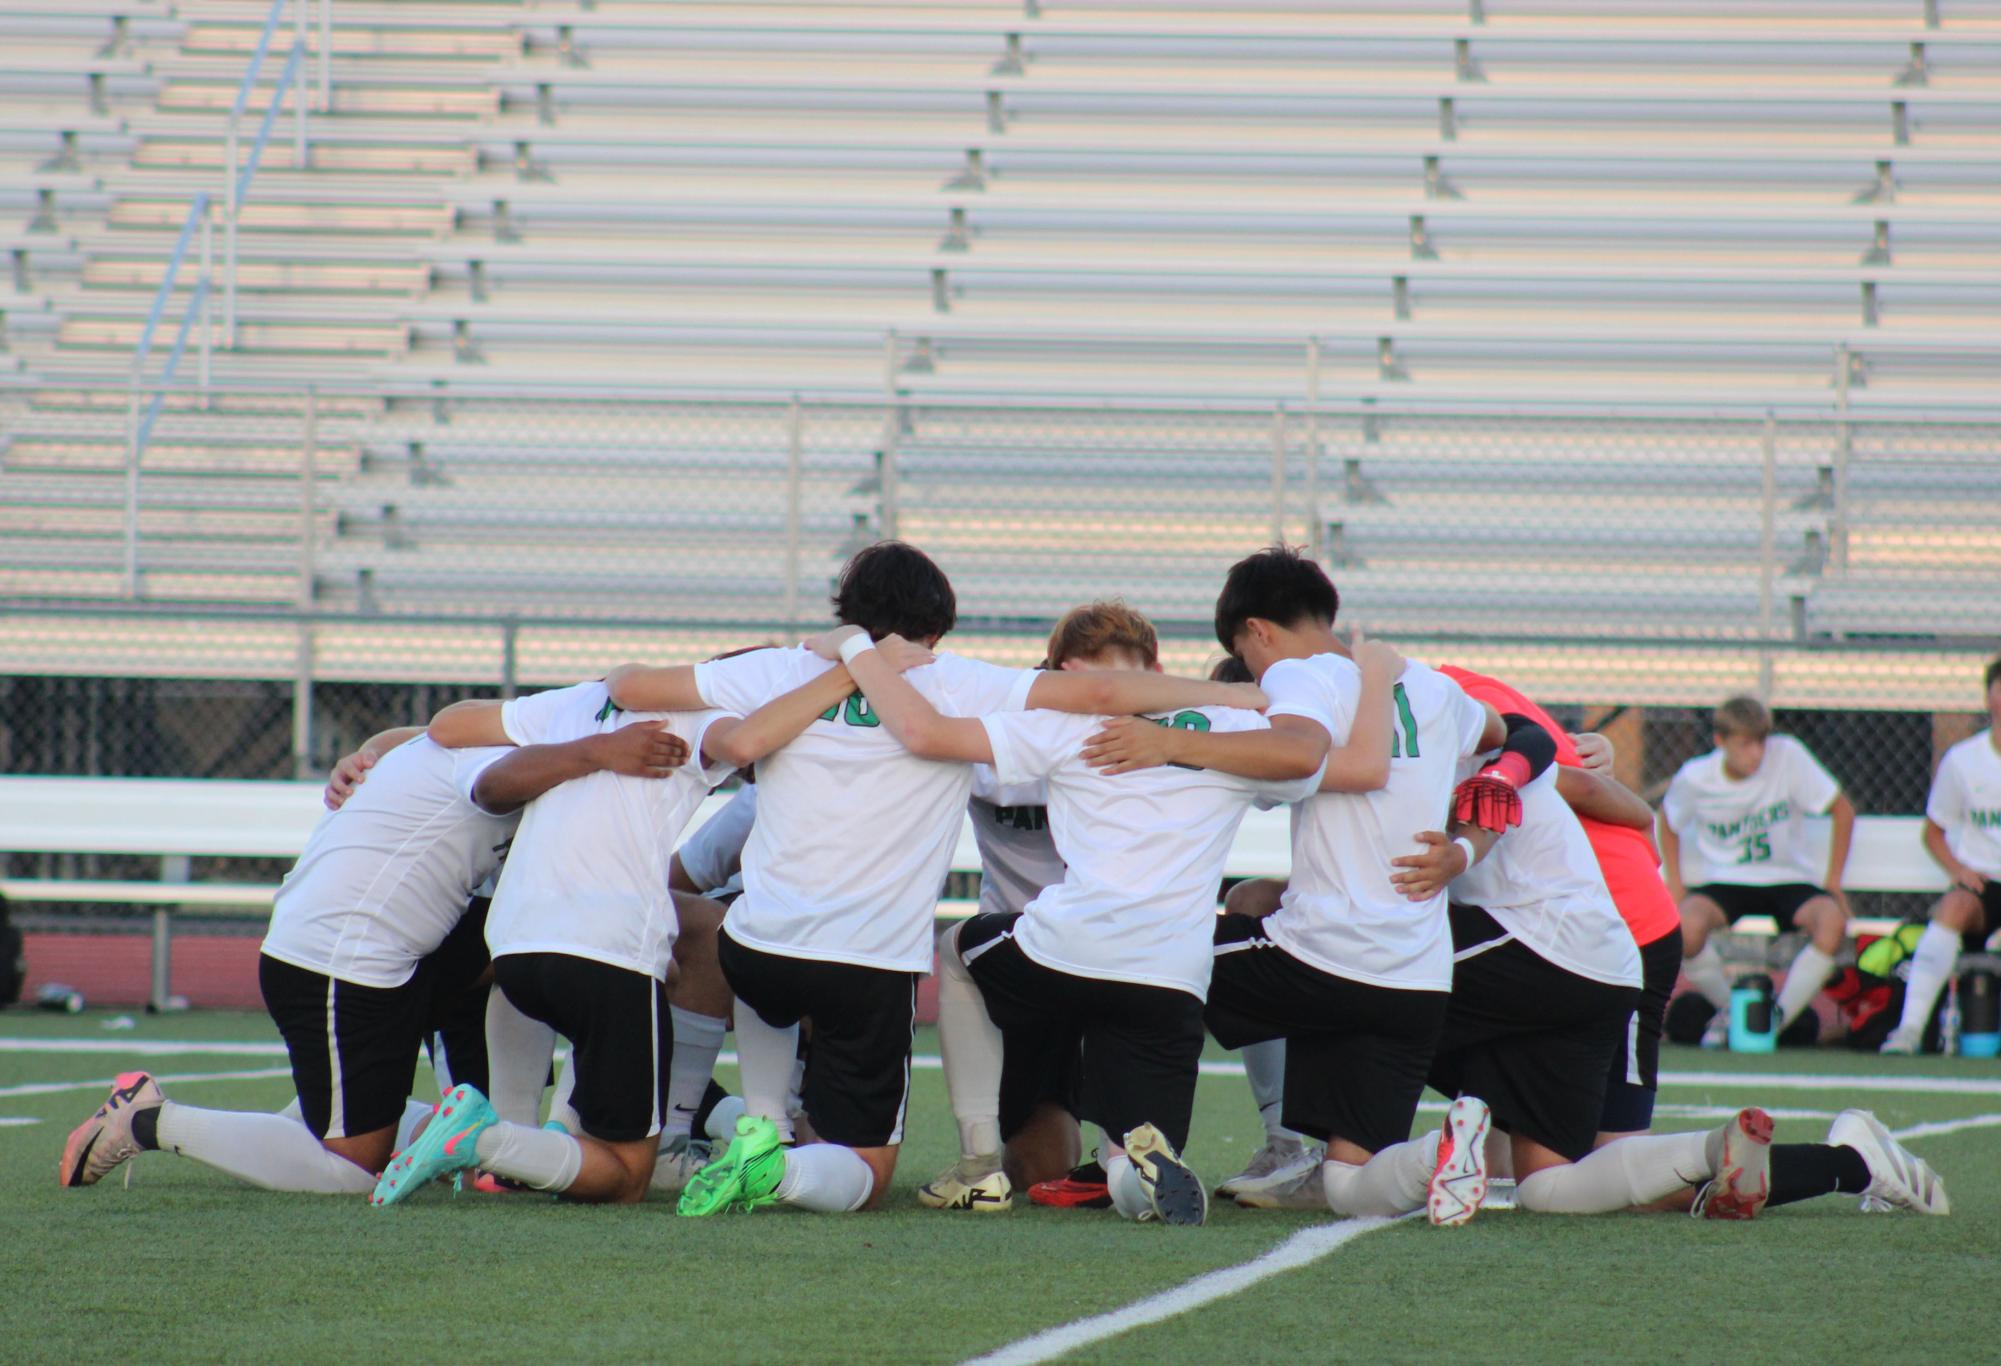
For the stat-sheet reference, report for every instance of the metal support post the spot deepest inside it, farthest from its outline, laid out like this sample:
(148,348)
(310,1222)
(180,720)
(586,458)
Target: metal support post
(132,487)
(302,706)
(160,994)
(1768,443)
(1278,440)
(298,87)
(208,299)
(326,55)
(1315,532)
(794,458)
(229,174)
(510,659)
(309,502)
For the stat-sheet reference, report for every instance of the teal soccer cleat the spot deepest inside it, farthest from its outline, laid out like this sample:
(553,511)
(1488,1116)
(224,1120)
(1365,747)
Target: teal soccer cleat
(448,1144)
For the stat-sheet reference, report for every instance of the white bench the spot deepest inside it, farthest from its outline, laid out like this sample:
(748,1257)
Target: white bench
(176,820)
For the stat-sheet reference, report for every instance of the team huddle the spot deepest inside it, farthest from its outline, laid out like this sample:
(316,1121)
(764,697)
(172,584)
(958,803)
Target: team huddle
(1474,904)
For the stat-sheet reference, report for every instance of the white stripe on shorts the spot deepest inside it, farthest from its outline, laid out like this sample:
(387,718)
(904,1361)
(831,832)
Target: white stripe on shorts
(903,1106)
(336,1121)
(653,1001)
(1633,1077)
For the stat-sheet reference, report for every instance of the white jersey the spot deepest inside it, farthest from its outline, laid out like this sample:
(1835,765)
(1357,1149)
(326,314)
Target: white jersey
(588,872)
(1541,883)
(1145,850)
(384,879)
(1340,913)
(1965,802)
(1749,832)
(712,857)
(1018,855)
(854,834)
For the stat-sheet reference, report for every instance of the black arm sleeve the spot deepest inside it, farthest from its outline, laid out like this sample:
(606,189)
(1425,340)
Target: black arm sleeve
(1527,738)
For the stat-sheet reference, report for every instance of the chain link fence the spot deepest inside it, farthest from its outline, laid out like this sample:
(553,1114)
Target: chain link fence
(283,573)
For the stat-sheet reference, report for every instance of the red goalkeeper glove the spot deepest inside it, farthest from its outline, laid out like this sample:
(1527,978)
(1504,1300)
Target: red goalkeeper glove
(1488,799)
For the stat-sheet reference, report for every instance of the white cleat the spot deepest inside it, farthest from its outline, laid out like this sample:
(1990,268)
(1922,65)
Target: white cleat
(1176,1193)
(1275,1165)
(1306,1191)
(1459,1182)
(1898,1178)
(971,1183)
(1717,1033)
(100,1143)
(1901,1044)
(680,1159)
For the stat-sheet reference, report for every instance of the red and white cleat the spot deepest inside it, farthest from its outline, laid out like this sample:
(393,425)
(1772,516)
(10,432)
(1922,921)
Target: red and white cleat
(100,1143)
(1743,1179)
(1459,1182)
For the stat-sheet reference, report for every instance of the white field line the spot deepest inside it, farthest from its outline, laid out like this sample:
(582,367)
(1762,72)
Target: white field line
(17,1121)
(51,1088)
(1776,1081)
(1936,1127)
(1302,1248)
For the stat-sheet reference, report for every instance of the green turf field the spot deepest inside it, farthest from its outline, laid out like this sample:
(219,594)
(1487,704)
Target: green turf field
(185,1264)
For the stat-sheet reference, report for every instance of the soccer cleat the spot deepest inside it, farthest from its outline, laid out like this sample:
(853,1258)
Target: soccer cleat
(1901,1044)
(1305,1191)
(744,1178)
(1743,1180)
(100,1143)
(448,1145)
(680,1160)
(1083,1188)
(1898,1178)
(1176,1193)
(1275,1164)
(971,1183)
(1459,1181)
(1717,1033)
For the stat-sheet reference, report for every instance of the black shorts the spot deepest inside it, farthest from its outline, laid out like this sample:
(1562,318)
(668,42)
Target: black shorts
(1356,1054)
(1531,1039)
(1636,1069)
(1781,902)
(1975,939)
(857,1087)
(1118,1054)
(353,1048)
(456,1033)
(621,1036)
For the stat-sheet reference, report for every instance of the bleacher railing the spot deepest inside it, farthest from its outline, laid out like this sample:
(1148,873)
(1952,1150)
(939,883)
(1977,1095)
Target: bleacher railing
(238,176)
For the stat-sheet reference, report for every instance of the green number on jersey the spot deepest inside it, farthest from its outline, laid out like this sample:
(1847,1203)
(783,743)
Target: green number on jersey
(1183,720)
(1757,849)
(1403,746)
(854,712)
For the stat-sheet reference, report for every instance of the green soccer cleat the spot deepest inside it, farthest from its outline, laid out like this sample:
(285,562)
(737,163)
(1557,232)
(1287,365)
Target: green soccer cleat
(744,1178)
(449,1144)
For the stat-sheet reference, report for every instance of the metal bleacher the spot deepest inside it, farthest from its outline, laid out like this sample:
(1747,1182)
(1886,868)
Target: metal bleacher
(1082,296)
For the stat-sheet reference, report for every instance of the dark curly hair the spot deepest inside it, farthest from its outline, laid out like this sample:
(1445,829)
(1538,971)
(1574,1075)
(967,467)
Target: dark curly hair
(1278,584)
(894,588)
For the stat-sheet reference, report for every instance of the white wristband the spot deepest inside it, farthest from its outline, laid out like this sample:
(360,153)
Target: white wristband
(1466,844)
(854,645)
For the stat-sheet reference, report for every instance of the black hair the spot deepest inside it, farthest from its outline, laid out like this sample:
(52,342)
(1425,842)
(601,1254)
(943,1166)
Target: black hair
(1231,669)
(1279,584)
(895,588)
(1994,671)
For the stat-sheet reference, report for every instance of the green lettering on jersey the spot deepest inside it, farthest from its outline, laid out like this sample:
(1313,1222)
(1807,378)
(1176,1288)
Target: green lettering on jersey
(1403,746)
(610,708)
(858,712)
(1182,720)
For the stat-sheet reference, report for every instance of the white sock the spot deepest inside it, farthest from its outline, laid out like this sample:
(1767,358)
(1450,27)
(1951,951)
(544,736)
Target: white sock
(415,1112)
(1809,973)
(560,1111)
(271,1151)
(765,1057)
(697,1041)
(1128,1195)
(441,1066)
(518,1050)
(1931,966)
(1624,1173)
(1264,1066)
(541,1158)
(722,1119)
(971,1045)
(795,1087)
(1705,973)
(1394,1181)
(825,1177)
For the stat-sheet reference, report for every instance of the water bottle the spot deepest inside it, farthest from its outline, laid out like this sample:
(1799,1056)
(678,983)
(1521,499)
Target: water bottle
(1754,1018)
(1948,1019)
(59,998)
(1979,1011)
